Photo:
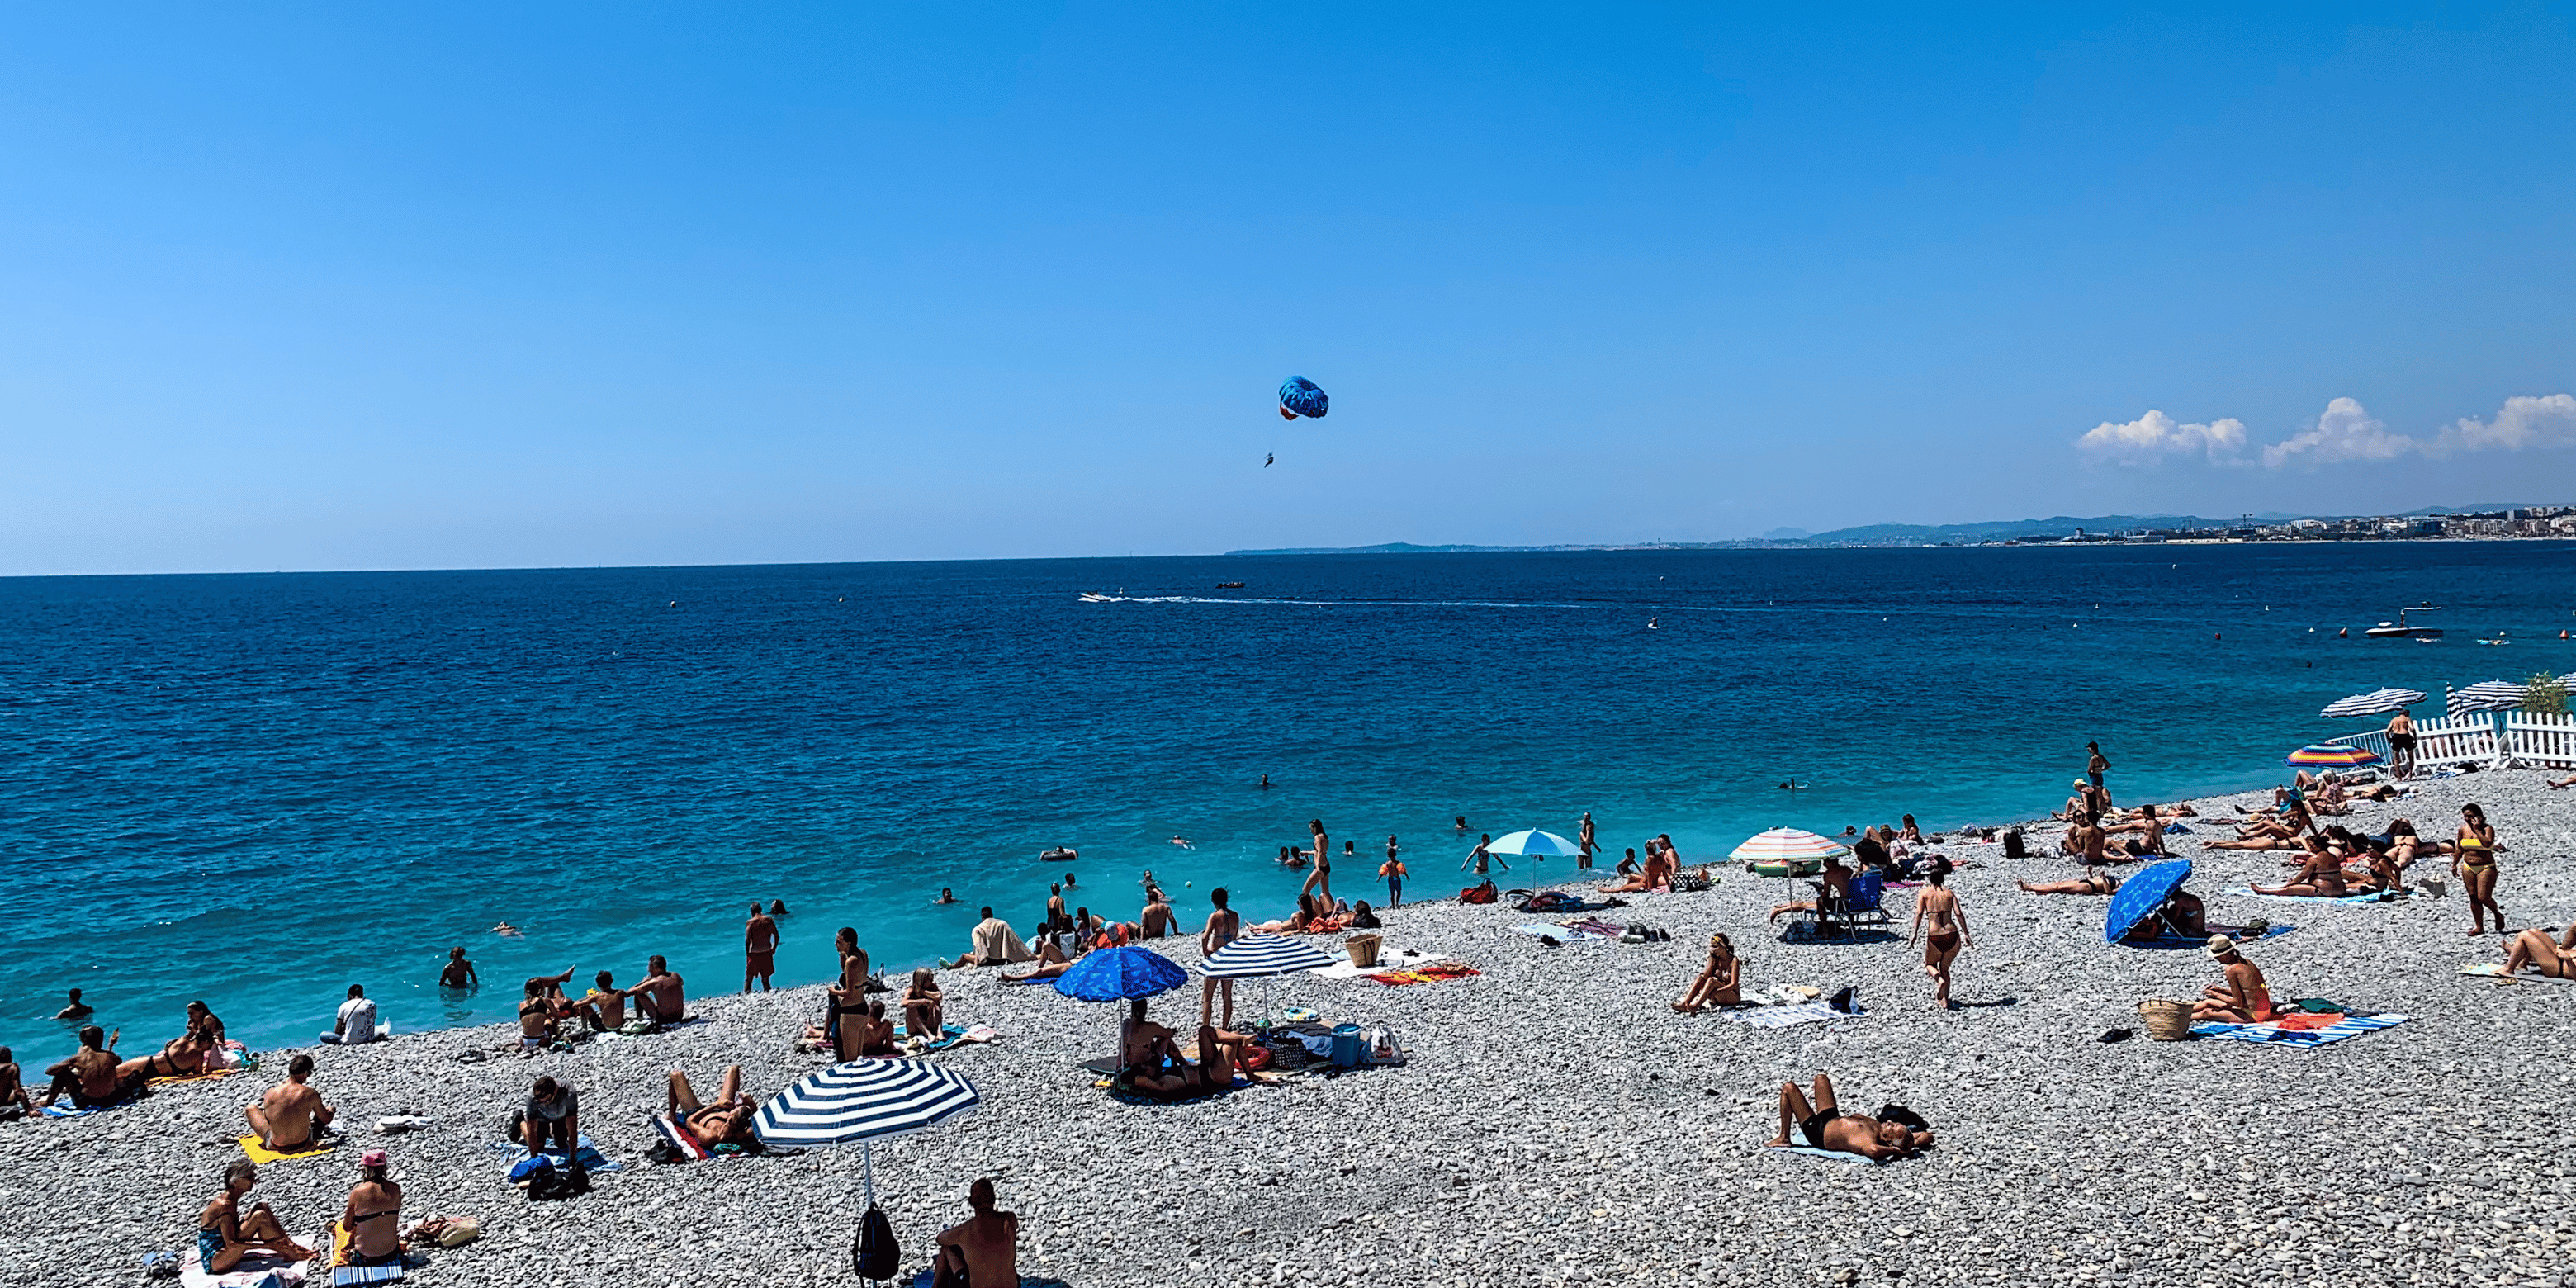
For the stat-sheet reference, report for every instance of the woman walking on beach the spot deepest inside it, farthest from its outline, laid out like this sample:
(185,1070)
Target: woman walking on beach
(1320,881)
(2473,862)
(1940,906)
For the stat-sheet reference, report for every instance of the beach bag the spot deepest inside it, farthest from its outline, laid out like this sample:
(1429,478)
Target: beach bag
(873,1254)
(1486,893)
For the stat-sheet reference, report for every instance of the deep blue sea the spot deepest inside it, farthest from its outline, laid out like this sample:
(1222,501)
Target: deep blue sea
(258,789)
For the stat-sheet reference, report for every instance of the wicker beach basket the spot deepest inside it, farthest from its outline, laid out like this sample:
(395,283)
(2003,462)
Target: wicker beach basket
(2166,1021)
(1363,949)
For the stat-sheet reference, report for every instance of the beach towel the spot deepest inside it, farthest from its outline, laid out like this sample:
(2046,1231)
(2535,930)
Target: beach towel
(344,1275)
(2171,940)
(1593,926)
(263,1155)
(1810,1151)
(930,1274)
(591,1159)
(2495,971)
(2244,892)
(1432,974)
(687,1146)
(1390,962)
(250,1271)
(2274,1033)
(64,1109)
(1781,1017)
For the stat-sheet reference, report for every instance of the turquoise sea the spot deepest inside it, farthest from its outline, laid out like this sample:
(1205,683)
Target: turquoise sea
(256,790)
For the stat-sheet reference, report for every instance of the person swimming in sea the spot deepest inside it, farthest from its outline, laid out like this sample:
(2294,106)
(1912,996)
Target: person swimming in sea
(505,928)
(1183,842)
(946,895)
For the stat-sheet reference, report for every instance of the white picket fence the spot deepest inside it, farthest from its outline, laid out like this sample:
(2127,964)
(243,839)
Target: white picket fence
(2540,739)
(2453,740)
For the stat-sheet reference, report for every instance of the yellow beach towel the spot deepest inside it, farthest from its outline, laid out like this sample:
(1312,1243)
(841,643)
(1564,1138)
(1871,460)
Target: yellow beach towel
(260,1153)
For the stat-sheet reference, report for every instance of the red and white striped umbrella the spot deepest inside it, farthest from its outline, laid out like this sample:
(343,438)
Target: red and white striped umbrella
(1786,845)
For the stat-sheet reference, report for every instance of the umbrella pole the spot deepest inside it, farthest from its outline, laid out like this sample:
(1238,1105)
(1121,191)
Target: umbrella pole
(868,1171)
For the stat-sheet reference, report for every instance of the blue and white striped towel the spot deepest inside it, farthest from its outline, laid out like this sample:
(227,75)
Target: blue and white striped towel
(2270,1035)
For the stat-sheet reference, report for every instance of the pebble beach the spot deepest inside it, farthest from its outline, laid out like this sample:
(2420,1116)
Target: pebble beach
(1557,1122)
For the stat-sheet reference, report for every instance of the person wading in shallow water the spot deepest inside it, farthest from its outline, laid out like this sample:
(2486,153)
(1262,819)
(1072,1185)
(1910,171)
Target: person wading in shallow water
(759,949)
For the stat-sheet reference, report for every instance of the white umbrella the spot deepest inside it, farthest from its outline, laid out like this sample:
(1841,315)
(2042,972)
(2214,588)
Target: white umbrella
(1254,956)
(2485,695)
(2377,702)
(1532,841)
(859,1101)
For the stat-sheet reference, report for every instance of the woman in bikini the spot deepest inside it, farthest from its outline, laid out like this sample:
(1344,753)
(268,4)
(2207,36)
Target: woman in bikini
(2320,875)
(373,1214)
(1940,905)
(2473,862)
(2535,949)
(1720,982)
(2090,883)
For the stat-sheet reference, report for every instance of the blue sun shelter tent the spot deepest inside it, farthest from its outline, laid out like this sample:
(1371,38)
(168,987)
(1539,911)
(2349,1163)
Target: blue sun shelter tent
(1299,396)
(2142,896)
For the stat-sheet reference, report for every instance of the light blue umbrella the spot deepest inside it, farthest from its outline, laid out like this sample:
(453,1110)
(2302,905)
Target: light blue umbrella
(1532,841)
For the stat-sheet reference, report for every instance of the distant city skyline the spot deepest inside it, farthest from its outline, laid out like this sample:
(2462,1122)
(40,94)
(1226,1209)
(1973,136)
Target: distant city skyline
(508,287)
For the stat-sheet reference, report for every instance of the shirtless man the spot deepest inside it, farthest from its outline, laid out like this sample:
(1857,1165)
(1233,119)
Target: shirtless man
(921,1006)
(78,1010)
(14,1100)
(225,1234)
(1820,1125)
(2095,766)
(372,1213)
(1158,920)
(1322,877)
(2087,841)
(2401,745)
(89,1075)
(657,995)
(759,949)
(1940,906)
(291,1115)
(1720,982)
(1838,879)
(1224,925)
(458,972)
(2533,948)
(2241,997)
(985,1247)
(604,1006)
(2089,883)
(725,1121)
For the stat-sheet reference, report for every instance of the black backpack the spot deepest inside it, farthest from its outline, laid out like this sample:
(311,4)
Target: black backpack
(873,1254)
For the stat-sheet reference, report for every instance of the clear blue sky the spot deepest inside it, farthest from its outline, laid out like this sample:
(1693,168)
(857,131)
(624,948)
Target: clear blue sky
(335,286)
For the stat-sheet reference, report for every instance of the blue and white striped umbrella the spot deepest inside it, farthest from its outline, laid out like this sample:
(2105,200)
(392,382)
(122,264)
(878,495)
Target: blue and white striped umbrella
(863,1100)
(2485,695)
(1255,955)
(2377,702)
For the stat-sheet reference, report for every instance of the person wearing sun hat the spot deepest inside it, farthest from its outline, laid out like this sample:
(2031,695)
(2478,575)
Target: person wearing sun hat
(372,1217)
(2241,996)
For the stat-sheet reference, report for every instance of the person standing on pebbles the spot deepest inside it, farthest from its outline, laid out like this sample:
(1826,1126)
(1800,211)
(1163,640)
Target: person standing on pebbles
(1223,925)
(1939,905)
(2473,862)
(2096,765)
(759,949)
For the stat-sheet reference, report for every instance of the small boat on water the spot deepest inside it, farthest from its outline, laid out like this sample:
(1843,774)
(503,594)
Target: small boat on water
(2401,629)
(1229,585)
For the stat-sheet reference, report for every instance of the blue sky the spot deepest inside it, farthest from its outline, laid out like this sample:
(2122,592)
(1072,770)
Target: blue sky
(331,287)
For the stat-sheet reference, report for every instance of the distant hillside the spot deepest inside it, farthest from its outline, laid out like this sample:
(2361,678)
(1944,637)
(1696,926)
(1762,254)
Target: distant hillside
(1915,534)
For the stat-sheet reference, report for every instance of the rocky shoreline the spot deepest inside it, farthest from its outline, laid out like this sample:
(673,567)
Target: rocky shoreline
(1558,1122)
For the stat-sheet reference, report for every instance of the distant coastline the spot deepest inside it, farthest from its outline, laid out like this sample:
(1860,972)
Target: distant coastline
(2464,523)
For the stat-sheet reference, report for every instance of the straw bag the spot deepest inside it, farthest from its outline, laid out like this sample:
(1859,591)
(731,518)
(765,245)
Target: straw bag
(2166,1021)
(1363,949)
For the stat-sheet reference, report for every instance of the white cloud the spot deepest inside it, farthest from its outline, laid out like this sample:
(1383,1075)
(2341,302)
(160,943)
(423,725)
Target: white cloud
(2522,422)
(2155,436)
(2346,432)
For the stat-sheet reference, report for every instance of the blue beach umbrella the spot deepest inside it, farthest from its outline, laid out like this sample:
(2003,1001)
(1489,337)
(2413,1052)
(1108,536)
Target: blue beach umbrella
(1117,974)
(1532,842)
(2141,895)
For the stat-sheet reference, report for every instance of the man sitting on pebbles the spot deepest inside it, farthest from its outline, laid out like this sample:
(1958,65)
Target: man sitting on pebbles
(658,999)
(291,1116)
(2241,997)
(1897,1132)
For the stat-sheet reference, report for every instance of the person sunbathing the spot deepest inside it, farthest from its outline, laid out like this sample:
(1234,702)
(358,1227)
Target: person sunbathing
(290,1116)
(1837,878)
(1819,1123)
(541,1018)
(226,1234)
(1220,1055)
(726,1121)
(658,996)
(2183,916)
(603,1008)
(1720,982)
(1147,1055)
(372,1214)
(2089,883)
(184,1056)
(2535,949)
(14,1100)
(1307,919)
(89,1075)
(2240,996)
(1051,962)
(1657,874)
(921,1005)
(984,1248)
(2320,876)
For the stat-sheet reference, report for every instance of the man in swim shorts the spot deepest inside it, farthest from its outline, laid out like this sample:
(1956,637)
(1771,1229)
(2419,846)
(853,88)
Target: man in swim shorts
(725,1121)
(290,1116)
(89,1075)
(759,949)
(657,995)
(985,1247)
(1820,1124)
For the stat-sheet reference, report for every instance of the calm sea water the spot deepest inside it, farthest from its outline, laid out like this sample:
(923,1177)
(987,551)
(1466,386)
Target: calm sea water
(258,789)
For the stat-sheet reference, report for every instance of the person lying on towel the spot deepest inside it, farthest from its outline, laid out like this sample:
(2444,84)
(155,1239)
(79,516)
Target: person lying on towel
(2094,882)
(1897,1132)
(1838,879)
(1149,1062)
(2320,875)
(290,1115)
(1051,962)
(727,1121)
(2545,956)
(2240,996)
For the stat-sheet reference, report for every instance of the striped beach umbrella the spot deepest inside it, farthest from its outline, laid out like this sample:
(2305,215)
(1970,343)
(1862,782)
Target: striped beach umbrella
(1258,955)
(860,1101)
(2326,755)
(1532,841)
(2377,702)
(2485,695)
(1786,845)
